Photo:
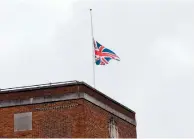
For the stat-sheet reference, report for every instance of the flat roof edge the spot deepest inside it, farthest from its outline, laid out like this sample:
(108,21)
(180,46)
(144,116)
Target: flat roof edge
(38,86)
(108,97)
(59,84)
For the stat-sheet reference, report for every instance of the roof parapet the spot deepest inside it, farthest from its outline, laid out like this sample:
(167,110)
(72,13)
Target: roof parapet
(58,84)
(39,86)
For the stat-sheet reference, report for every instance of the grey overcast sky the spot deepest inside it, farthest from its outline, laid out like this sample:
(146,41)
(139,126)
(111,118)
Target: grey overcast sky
(45,41)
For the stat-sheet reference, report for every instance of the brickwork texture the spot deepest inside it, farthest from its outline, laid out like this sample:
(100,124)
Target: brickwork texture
(65,119)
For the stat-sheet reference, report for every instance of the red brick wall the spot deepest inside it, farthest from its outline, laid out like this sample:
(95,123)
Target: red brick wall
(64,122)
(74,118)
(97,119)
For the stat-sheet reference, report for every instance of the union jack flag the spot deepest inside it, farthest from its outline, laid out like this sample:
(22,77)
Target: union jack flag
(103,55)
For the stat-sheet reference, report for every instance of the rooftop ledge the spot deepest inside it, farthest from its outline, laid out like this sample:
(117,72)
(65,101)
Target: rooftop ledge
(58,84)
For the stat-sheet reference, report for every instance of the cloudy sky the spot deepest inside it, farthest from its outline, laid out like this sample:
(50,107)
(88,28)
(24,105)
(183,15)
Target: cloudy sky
(46,41)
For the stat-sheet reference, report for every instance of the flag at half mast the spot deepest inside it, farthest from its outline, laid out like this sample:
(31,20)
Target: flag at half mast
(103,55)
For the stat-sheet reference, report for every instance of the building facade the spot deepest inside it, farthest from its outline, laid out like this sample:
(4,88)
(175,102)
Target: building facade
(63,110)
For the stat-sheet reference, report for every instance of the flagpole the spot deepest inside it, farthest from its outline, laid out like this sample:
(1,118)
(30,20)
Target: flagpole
(93,53)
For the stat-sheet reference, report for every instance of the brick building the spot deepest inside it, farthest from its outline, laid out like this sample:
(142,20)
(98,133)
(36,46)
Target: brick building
(71,109)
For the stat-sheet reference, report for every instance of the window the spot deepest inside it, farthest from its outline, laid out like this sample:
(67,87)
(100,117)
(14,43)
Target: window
(113,129)
(23,121)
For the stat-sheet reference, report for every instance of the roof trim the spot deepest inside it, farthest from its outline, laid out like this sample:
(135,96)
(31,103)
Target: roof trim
(58,84)
(37,86)
(107,97)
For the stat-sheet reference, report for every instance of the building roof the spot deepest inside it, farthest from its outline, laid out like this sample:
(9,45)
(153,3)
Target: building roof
(63,84)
